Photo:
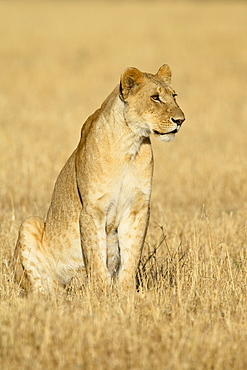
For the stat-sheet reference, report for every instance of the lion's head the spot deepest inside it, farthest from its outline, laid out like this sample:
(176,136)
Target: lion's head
(150,103)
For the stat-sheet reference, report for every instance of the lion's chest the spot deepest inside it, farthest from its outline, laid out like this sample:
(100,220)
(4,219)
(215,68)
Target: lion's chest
(125,193)
(117,183)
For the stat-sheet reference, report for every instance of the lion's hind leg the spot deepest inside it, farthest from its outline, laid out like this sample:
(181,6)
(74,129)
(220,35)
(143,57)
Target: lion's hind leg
(30,263)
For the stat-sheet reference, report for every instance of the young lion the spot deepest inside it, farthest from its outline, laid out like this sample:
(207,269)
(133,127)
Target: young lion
(99,213)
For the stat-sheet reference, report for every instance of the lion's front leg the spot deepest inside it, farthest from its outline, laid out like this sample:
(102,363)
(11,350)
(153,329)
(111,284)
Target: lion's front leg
(94,249)
(132,231)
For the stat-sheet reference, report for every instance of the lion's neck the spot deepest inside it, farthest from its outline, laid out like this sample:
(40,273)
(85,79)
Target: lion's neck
(133,143)
(112,131)
(130,139)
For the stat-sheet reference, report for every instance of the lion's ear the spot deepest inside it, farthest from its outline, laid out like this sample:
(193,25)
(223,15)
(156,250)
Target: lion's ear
(131,78)
(165,73)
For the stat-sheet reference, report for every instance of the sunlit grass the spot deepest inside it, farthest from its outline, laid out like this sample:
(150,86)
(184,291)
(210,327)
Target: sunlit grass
(59,61)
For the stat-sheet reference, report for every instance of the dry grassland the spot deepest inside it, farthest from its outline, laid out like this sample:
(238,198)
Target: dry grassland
(58,61)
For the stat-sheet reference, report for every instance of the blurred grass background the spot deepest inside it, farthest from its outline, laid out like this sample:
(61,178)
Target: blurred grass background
(58,62)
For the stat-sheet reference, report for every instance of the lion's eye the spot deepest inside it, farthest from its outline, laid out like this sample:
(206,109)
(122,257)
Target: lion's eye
(155,97)
(174,95)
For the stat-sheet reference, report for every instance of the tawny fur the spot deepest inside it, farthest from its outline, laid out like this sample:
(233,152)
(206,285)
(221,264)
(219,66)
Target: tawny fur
(99,213)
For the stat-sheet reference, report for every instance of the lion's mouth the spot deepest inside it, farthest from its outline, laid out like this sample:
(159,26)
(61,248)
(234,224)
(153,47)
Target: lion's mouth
(166,133)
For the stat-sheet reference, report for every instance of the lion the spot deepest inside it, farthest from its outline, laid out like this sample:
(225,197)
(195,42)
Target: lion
(100,207)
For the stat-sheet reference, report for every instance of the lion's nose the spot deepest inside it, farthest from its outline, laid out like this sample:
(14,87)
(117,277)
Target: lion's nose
(178,121)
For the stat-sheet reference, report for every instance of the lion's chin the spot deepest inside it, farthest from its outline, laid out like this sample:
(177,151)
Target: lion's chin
(166,137)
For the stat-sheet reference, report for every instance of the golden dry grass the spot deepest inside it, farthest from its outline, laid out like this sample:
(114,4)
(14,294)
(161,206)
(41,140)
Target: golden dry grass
(58,61)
